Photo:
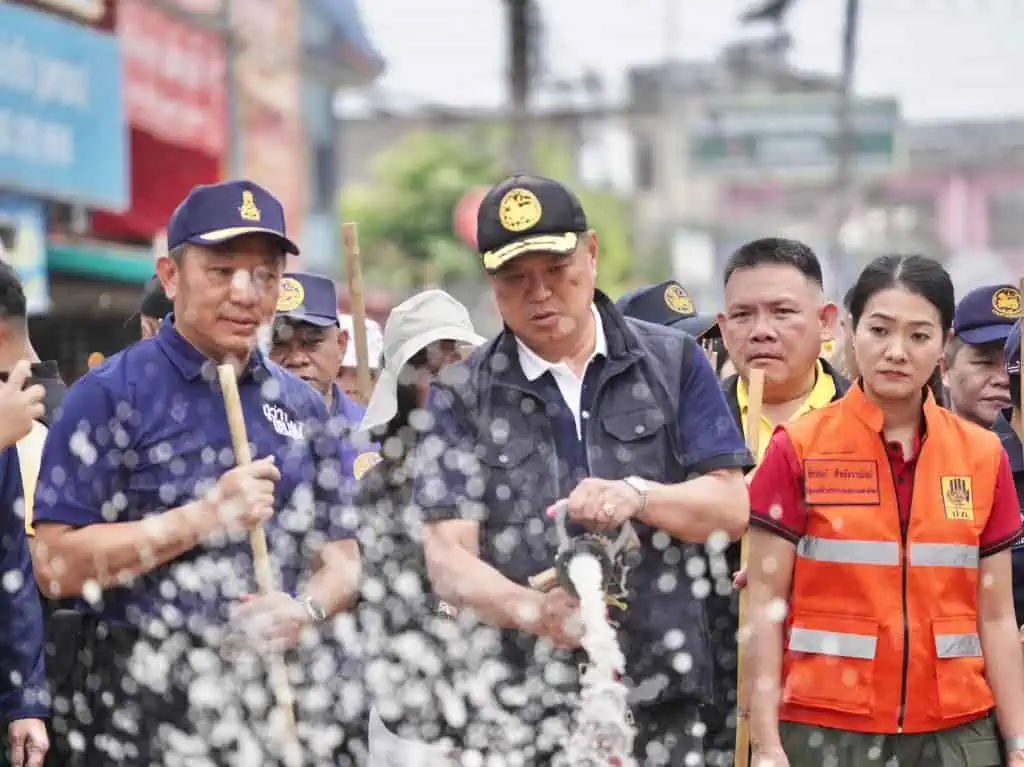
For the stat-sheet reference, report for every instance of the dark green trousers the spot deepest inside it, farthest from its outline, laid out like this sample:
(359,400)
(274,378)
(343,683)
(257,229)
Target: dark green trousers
(972,745)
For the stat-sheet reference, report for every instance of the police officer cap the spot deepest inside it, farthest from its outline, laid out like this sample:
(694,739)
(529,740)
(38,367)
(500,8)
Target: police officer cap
(215,213)
(308,298)
(667,303)
(528,214)
(986,314)
(1011,350)
(155,303)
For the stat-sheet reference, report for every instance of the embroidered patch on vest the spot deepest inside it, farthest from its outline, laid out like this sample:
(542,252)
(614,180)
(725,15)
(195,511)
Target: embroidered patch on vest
(958,498)
(833,482)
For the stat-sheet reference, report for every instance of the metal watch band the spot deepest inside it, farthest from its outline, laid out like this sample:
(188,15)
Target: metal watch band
(316,612)
(639,486)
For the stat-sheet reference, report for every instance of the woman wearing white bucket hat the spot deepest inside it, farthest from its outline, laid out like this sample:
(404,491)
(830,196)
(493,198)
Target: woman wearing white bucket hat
(408,661)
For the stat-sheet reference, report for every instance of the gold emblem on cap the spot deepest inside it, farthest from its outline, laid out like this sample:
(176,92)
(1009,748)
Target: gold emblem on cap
(1006,302)
(677,300)
(364,463)
(291,295)
(519,210)
(248,210)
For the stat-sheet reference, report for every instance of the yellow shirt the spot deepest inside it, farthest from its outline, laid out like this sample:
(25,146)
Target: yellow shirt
(824,392)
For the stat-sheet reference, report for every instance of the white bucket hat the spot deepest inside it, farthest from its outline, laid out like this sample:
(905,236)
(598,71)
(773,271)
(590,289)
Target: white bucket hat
(414,324)
(374,344)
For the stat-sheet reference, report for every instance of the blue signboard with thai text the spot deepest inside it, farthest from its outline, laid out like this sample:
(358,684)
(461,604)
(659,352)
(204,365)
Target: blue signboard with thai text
(63,134)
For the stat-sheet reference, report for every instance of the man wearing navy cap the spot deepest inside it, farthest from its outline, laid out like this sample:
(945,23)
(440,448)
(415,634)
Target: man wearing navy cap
(668,303)
(624,421)
(973,369)
(308,342)
(141,511)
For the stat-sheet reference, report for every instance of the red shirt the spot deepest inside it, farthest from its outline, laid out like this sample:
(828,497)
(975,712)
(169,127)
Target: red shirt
(777,494)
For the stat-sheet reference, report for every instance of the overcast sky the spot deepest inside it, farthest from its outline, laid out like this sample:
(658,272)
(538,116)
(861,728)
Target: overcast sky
(943,58)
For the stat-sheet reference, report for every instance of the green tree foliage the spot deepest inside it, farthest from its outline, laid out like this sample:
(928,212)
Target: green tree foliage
(405,213)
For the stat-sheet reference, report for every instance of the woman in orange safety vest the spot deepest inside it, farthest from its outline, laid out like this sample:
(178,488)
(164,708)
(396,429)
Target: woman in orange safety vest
(883,629)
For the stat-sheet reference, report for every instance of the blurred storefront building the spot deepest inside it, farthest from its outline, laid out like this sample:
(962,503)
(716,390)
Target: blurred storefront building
(136,110)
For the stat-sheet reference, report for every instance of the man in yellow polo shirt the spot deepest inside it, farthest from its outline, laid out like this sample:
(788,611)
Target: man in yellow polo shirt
(776,318)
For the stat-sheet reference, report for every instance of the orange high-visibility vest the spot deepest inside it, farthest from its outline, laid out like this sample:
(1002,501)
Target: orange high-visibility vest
(883,622)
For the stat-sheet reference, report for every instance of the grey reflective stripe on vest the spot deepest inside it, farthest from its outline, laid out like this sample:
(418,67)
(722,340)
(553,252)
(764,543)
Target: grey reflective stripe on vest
(833,643)
(958,645)
(944,555)
(849,552)
(887,553)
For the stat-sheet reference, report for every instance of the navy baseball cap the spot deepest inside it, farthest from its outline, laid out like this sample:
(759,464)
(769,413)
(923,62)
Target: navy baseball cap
(1011,350)
(667,303)
(308,298)
(528,214)
(985,315)
(215,213)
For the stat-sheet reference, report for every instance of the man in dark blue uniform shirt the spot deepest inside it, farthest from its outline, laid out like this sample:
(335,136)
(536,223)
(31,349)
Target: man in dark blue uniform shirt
(24,702)
(1009,431)
(574,401)
(141,514)
(973,368)
(20,476)
(308,342)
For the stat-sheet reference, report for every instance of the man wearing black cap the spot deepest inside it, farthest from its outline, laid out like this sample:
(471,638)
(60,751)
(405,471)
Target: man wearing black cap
(573,401)
(153,307)
(141,511)
(973,368)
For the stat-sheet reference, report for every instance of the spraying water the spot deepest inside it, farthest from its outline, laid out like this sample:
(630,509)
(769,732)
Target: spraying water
(603,736)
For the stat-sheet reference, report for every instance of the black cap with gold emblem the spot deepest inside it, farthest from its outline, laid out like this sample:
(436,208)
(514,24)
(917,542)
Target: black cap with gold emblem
(528,214)
(668,303)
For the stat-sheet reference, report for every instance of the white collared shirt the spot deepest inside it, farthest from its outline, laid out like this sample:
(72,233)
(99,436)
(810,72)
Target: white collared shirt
(569,385)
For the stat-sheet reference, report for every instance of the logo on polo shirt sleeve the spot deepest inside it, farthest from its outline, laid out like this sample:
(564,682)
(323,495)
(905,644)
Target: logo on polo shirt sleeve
(1006,303)
(363,463)
(519,210)
(291,295)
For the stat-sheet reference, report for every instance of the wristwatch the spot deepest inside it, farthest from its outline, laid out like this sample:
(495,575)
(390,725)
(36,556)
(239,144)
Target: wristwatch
(316,612)
(640,485)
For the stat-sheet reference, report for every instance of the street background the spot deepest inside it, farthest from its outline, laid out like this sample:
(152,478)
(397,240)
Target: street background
(687,126)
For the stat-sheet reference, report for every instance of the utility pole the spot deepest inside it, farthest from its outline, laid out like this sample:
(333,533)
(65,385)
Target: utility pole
(236,162)
(847,146)
(671,143)
(521,19)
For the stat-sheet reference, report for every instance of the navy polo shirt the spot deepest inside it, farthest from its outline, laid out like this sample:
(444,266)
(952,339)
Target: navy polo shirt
(1015,452)
(22,682)
(147,431)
